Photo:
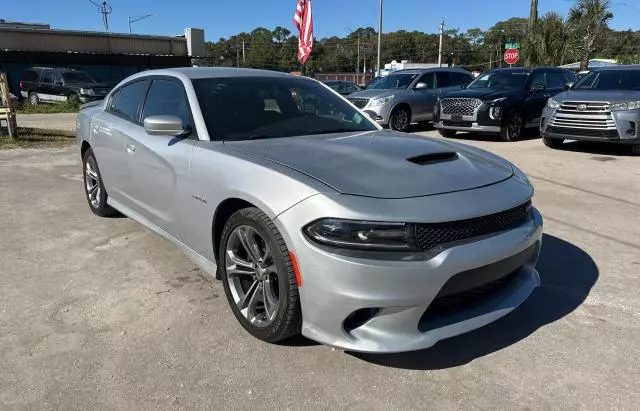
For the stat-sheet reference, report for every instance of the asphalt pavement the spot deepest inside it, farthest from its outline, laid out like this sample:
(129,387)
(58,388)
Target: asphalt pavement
(102,314)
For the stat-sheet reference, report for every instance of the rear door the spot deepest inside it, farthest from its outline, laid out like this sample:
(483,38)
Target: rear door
(45,88)
(159,165)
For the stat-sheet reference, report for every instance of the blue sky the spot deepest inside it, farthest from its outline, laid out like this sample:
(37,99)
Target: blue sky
(221,18)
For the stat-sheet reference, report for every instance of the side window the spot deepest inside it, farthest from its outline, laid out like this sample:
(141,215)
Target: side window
(47,77)
(429,79)
(461,78)
(569,77)
(112,101)
(538,79)
(167,97)
(129,100)
(555,80)
(57,77)
(444,79)
(30,75)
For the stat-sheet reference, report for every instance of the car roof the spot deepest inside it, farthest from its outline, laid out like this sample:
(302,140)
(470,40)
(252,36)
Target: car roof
(620,67)
(334,81)
(425,70)
(212,72)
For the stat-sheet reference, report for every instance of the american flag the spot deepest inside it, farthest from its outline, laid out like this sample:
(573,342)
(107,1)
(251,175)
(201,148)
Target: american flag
(304,23)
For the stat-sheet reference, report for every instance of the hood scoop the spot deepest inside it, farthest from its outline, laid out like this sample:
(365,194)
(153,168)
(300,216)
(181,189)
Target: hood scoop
(434,158)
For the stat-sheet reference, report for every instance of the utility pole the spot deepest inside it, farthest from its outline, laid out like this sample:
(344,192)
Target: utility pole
(379,34)
(440,49)
(244,58)
(533,15)
(358,64)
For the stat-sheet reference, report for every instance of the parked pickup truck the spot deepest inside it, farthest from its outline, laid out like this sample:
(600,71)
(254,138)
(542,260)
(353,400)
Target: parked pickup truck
(603,106)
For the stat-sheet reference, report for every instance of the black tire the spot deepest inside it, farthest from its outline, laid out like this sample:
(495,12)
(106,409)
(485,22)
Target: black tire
(514,128)
(33,99)
(288,317)
(554,143)
(635,149)
(447,133)
(400,119)
(74,99)
(97,204)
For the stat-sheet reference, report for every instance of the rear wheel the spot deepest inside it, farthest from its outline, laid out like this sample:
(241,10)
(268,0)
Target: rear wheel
(74,99)
(514,128)
(447,133)
(400,119)
(553,142)
(258,276)
(93,186)
(33,99)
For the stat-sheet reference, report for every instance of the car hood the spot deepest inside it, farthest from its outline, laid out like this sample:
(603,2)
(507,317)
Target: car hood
(383,164)
(483,94)
(375,93)
(612,96)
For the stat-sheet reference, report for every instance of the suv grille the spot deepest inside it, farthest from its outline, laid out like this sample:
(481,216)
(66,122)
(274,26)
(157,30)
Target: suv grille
(431,235)
(359,102)
(592,119)
(460,106)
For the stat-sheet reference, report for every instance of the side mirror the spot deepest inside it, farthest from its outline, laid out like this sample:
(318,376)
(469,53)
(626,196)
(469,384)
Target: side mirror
(164,126)
(421,86)
(568,86)
(538,87)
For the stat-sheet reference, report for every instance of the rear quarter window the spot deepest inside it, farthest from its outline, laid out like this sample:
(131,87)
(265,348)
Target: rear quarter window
(30,75)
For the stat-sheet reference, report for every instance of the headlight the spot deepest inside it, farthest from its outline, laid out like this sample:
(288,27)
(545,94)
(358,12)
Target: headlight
(498,100)
(377,102)
(631,105)
(362,235)
(551,103)
(87,91)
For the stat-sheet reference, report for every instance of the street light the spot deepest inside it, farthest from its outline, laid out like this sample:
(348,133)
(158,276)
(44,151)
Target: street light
(358,64)
(133,19)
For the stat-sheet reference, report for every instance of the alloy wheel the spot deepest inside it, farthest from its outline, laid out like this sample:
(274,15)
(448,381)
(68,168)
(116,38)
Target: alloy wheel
(92,182)
(252,276)
(515,127)
(400,120)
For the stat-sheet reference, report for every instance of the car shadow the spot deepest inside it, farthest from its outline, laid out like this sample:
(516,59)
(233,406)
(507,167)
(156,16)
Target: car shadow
(619,150)
(567,275)
(529,134)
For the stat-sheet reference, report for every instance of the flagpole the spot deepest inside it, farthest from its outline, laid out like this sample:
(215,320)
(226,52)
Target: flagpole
(379,33)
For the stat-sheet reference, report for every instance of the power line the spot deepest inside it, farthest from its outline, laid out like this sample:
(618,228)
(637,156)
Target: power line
(105,9)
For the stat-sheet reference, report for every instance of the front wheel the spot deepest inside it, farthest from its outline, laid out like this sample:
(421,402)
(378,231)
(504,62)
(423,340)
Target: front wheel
(447,133)
(635,149)
(514,128)
(33,99)
(400,119)
(553,142)
(258,276)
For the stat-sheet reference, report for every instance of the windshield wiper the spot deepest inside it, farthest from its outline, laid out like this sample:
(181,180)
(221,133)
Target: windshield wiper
(336,130)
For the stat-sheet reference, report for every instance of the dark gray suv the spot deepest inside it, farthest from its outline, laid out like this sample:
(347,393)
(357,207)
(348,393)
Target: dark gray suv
(407,96)
(55,85)
(602,106)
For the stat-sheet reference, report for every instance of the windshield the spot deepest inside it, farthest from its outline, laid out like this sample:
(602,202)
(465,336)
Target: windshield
(393,81)
(499,80)
(77,77)
(244,108)
(610,80)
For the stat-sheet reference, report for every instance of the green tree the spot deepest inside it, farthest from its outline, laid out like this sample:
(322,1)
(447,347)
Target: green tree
(552,41)
(590,18)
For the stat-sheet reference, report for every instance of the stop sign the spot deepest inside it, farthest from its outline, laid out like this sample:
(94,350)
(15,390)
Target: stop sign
(511,56)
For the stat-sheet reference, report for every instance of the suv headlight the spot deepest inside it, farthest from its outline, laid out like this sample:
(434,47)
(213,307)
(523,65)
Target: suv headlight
(87,91)
(630,105)
(551,103)
(377,102)
(362,235)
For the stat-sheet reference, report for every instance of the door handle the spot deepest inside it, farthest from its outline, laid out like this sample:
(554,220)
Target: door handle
(131,148)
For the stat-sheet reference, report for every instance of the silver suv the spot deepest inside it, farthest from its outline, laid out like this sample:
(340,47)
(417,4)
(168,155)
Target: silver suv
(407,96)
(602,106)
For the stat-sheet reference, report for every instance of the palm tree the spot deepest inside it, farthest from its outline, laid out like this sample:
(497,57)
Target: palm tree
(551,41)
(589,17)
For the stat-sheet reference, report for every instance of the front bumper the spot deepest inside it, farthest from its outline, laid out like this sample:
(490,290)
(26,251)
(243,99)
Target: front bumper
(474,127)
(379,114)
(626,131)
(335,285)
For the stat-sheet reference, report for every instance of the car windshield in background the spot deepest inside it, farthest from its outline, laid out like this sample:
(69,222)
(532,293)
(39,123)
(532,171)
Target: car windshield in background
(610,80)
(394,81)
(77,77)
(245,108)
(501,80)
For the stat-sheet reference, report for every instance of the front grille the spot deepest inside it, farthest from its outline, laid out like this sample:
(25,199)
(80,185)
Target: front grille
(578,132)
(432,235)
(359,102)
(460,106)
(589,119)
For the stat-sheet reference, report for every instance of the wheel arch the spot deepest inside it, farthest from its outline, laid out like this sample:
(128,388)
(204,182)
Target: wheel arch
(84,146)
(402,104)
(222,213)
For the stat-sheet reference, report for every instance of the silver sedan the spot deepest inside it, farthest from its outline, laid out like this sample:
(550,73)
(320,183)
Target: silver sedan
(315,219)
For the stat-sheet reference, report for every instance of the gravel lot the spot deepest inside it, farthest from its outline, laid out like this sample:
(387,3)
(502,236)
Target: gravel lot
(58,122)
(102,314)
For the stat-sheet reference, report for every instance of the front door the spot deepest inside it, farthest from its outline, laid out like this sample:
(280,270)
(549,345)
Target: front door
(537,98)
(424,99)
(159,165)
